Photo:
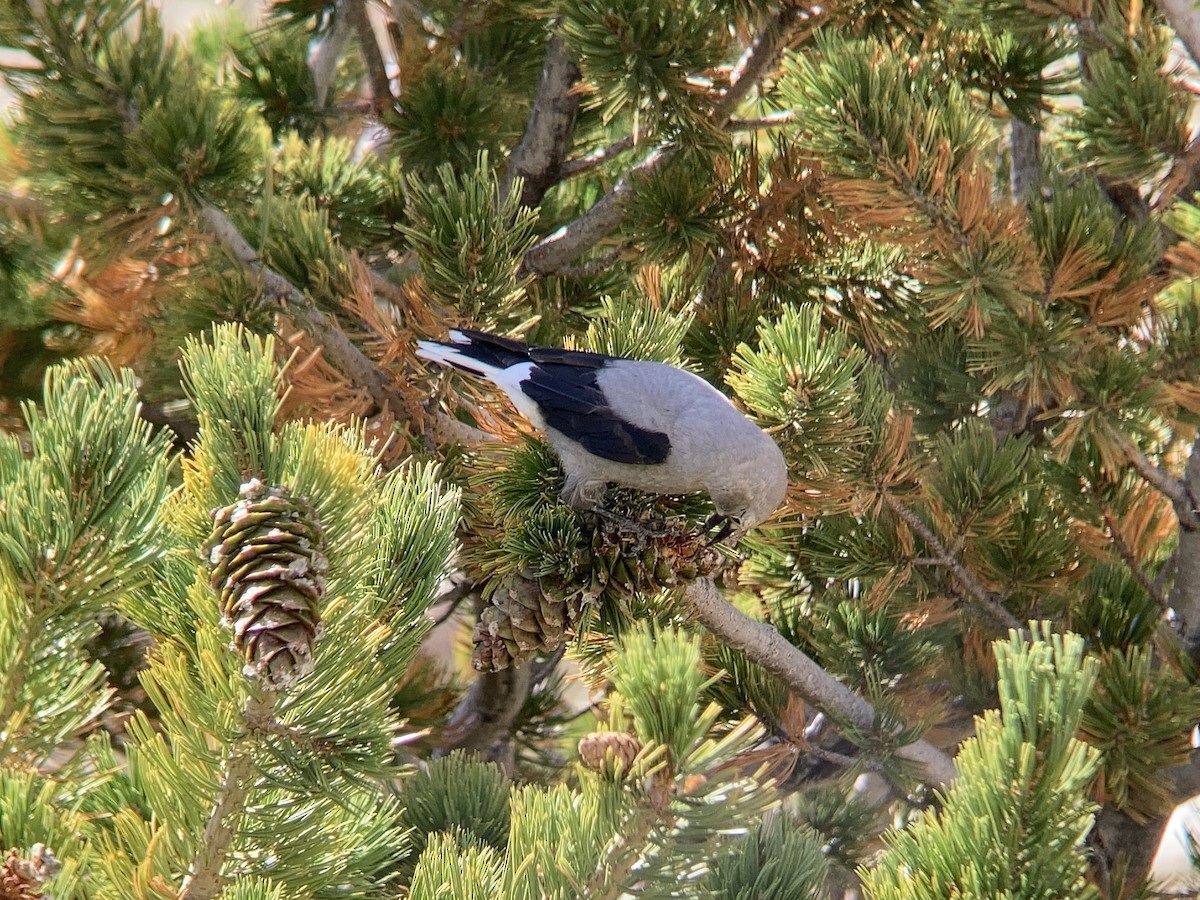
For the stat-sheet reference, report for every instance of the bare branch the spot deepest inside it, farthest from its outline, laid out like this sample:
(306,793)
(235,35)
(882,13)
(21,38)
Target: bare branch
(983,599)
(596,158)
(764,645)
(571,241)
(595,267)
(538,159)
(360,18)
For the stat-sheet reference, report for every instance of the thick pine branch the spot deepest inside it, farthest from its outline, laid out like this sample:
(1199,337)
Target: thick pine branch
(580,235)
(764,645)
(338,348)
(483,721)
(538,159)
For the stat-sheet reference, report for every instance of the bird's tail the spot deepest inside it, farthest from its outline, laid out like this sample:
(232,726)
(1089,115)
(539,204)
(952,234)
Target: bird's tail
(474,351)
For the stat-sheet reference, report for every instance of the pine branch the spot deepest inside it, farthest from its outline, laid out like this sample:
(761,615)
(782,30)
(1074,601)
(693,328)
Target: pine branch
(204,874)
(984,600)
(337,348)
(925,203)
(381,89)
(595,267)
(580,235)
(538,159)
(764,645)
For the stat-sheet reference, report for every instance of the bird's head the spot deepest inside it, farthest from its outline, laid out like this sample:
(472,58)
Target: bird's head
(753,488)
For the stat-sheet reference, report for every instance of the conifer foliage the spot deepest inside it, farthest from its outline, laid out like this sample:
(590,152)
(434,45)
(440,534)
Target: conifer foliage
(945,252)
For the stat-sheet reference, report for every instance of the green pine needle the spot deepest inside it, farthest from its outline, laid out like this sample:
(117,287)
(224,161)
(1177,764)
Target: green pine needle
(470,240)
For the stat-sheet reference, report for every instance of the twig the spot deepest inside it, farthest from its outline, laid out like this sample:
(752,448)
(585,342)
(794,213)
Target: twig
(204,874)
(381,88)
(538,159)
(841,760)
(184,430)
(774,120)
(596,158)
(459,590)
(764,645)
(1126,553)
(982,598)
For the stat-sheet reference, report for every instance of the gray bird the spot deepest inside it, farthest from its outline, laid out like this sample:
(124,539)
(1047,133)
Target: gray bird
(645,425)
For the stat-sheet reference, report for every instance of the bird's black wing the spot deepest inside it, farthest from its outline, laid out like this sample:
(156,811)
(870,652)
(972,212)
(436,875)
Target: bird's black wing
(563,385)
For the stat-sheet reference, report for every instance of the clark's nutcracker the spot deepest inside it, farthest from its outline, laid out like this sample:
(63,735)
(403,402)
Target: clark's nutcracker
(645,425)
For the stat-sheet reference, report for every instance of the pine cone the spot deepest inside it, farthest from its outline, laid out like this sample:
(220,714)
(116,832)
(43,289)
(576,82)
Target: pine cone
(626,560)
(268,568)
(611,753)
(527,615)
(22,879)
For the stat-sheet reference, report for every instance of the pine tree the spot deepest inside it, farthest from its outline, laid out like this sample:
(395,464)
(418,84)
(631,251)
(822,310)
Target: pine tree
(945,252)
